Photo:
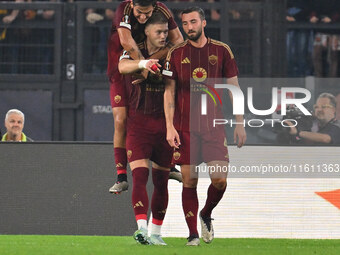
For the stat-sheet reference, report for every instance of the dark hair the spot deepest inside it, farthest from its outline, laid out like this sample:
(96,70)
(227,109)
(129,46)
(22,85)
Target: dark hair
(144,3)
(331,98)
(195,9)
(156,18)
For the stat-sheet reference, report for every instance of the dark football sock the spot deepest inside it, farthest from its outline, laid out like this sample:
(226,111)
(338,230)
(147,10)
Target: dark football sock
(120,160)
(140,200)
(213,198)
(190,209)
(159,202)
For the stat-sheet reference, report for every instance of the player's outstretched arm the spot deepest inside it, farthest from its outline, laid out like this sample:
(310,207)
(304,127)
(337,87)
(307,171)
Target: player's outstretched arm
(129,66)
(169,110)
(240,135)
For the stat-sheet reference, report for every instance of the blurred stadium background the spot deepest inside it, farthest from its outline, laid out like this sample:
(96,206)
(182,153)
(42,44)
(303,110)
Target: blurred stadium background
(54,71)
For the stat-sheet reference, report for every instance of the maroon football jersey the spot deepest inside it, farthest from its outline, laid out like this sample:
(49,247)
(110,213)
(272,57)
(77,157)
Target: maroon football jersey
(193,68)
(124,18)
(146,97)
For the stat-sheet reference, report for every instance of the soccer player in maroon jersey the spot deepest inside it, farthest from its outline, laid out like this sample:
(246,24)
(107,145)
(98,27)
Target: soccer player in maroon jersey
(188,63)
(126,33)
(146,133)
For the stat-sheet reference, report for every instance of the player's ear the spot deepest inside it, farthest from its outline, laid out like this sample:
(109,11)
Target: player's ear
(146,31)
(204,23)
(131,4)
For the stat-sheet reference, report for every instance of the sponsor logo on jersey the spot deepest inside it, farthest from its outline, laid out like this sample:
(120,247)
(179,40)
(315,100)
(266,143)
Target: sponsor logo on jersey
(186,61)
(199,74)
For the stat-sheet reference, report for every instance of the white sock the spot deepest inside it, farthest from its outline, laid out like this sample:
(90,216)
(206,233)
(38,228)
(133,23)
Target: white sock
(156,229)
(142,224)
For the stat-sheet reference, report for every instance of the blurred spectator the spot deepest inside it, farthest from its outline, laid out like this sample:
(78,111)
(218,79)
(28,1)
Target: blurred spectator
(299,41)
(96,62)
(326,41)
(7,37)
(327,128)
(14,123)
(337,116)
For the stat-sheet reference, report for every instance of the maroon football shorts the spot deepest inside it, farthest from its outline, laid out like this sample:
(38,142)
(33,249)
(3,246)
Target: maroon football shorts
(146,139)
(118,94)
(198,147)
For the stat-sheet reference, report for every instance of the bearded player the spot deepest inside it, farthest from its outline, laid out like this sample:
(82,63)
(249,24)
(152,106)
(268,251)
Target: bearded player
(188,65)
(126,33)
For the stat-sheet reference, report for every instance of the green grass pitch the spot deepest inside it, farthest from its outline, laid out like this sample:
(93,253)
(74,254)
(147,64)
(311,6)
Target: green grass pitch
(96,245)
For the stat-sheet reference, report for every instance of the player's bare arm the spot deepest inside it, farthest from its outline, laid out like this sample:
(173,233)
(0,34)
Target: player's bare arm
(129,66)
(240,135)
(129,44)
(169,110)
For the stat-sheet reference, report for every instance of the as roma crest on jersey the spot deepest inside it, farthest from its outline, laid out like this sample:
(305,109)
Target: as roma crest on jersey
(177,155)
(199,74)
(213,59)
(129,153)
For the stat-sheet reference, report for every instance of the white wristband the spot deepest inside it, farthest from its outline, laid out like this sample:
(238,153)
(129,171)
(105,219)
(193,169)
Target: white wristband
(142,64)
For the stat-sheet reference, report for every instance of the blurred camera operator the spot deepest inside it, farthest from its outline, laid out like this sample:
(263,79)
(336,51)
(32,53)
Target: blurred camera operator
(328,128)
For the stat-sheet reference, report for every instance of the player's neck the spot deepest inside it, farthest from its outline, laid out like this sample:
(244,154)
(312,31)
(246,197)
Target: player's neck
(200,41)
(151,48)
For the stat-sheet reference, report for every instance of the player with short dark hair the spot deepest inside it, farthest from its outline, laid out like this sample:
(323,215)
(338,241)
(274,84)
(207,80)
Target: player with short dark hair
(146,133)
(126,33)
(188,66)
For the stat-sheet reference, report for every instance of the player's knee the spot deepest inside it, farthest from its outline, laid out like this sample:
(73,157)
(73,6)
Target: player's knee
(189,182)
(220,183)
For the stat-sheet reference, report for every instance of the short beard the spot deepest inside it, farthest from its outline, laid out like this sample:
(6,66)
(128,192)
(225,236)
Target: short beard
(195,37)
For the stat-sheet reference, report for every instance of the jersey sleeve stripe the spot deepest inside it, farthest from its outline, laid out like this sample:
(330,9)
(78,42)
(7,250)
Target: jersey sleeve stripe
(127,9)
(168,57)
(164,11)
(223,45)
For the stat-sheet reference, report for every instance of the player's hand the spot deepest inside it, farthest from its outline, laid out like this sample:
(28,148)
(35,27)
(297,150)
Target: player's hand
(240,135)
(153,66)
(172,137)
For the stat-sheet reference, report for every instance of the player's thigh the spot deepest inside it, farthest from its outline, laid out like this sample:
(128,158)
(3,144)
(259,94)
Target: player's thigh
(139,163)
(158,167)
(214,146)
(119,114)
(218,173)
(162,152)
(138,144)
(189,176)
